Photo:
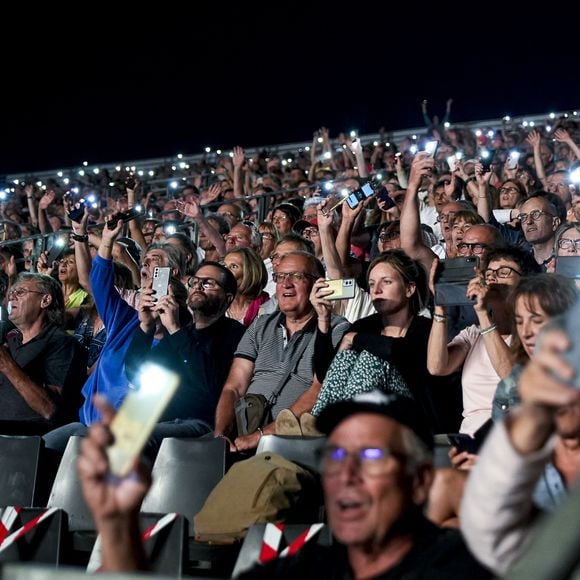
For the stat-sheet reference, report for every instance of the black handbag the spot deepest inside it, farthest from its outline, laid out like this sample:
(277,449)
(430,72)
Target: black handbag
(254,411)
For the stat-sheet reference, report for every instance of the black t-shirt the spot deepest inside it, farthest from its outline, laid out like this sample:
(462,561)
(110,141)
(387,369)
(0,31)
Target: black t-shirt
(53,358)
(202,358)
(437,554)
(408,354)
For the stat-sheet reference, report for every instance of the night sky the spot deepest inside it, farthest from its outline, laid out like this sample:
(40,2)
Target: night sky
(117,88)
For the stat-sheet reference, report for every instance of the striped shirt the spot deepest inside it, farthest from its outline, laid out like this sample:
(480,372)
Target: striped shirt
(266,344)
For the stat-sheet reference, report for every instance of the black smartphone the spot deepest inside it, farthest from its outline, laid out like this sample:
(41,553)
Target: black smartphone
(568,266)
(78,211)
(468,443)
(383,195)
(487,161)
(453,277)
(364,192)
(125,216)
(55,253)
(130,182)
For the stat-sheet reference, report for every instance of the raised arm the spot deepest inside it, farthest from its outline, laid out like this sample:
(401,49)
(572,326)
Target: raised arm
(483,195)
(238,159)
(31,202)
(192,209)
(562,136)
(334,266)
(44,224)
(82,254)
(411,237)
(535,141)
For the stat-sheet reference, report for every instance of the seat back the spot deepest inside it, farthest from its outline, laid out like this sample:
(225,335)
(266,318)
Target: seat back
(66,492)
(19,458)
(184,473)
(302,450)
(249,555)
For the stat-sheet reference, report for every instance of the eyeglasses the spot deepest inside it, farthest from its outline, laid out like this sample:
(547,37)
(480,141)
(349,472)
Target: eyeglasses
(267,236)
(205,283)
(445,217)
(239,238)
(229,214)
(21,292)
(309,232)
(371,461)
(508,190)
(476,248)
(281,277)
(535,215)
(279,218)
(501,272)
(384,237)
(568,244)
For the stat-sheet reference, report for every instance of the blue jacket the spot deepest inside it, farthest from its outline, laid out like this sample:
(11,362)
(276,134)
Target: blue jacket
(120,320)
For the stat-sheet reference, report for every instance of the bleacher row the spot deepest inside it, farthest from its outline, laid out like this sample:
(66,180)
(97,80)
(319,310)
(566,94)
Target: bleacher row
(184,473)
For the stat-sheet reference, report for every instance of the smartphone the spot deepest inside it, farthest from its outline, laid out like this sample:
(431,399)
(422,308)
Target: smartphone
(55,253)
(364,192)
(137,416)
(568,266)
(569,323)
(343,289)
(468,443)
(383,195)
(512,161)
(452,162)
(125,216)
(431,148)
(453,277)
(487,161)
(78,212)
(161,281)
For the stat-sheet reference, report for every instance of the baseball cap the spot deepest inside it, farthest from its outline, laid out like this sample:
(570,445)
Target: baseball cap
(400,409)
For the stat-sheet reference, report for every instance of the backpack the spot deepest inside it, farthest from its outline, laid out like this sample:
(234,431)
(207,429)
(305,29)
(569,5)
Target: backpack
(264,488)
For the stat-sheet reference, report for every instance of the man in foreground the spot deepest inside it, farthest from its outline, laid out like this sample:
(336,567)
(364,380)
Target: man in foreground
(376,470)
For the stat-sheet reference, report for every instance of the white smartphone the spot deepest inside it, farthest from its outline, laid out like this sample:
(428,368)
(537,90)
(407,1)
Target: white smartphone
(137,416)
(161,281)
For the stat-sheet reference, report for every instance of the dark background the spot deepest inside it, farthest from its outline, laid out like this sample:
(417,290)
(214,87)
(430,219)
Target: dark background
(119,87)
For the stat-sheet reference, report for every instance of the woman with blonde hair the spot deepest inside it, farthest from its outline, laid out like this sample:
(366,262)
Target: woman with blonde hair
(251,278)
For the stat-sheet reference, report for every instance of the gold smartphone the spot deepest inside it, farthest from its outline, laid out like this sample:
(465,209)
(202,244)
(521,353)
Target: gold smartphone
(343,289)
(137,416)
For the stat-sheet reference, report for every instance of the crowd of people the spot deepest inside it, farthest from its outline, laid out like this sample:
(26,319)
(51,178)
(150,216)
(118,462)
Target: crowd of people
(250,245)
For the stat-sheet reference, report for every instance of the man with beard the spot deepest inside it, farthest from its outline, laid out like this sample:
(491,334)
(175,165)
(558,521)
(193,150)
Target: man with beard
(200,352)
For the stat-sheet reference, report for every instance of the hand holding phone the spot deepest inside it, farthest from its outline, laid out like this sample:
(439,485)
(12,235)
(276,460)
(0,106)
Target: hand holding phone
(125,216)
(453,278)
(137,416)
(384,197)
(161,281)
(343,289)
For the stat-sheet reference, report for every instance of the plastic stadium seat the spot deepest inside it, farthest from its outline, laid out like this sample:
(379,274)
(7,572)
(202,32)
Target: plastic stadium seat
(302,450)
(184,474)
(19,459)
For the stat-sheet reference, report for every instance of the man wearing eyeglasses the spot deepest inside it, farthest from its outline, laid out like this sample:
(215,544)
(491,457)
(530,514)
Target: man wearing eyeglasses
(540,219)
(42,368)
(270,343)
(201,353)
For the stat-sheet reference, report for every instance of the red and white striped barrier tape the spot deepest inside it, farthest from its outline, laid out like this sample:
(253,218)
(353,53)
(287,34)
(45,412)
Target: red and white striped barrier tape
(158,526)
(273,536)
(9,515)
(15,536)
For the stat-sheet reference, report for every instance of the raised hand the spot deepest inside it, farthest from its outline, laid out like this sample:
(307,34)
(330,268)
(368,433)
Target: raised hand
(239,156)
(534,139)
(422,165)
(189,208)
(47,199)
(562,136)
(42,265)
(211,193)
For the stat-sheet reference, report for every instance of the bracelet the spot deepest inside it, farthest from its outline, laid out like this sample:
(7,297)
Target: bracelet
(488,329)
(439,318)
(80,237)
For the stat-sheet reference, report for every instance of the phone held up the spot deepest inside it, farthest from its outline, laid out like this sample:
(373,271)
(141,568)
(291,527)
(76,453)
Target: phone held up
(125,216)
(140,412)
(343,289)
(161,281)
(453,277)
(364,192)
